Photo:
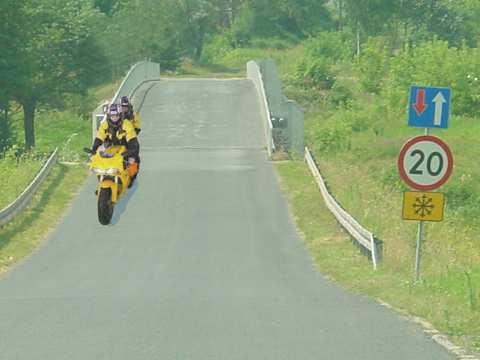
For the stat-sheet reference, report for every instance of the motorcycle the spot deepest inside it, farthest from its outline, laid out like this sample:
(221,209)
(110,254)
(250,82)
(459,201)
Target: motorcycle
(114,175)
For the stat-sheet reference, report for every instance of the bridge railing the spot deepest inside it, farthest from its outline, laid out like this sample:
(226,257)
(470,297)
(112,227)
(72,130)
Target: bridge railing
(11,211)
(285,116)
(254,73)
(137,75)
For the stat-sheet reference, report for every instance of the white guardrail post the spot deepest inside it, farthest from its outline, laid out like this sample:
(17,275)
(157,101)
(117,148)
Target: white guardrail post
(11,211)
(364,237)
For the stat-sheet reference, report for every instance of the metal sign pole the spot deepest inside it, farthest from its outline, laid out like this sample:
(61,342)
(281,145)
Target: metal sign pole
(420,236)
(419,249)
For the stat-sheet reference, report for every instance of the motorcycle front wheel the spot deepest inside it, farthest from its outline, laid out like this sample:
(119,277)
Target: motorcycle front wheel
(105,206)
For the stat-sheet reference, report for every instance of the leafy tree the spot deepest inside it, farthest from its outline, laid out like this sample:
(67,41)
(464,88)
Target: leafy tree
(368,17)
(144,30)
(199,19)
(59,55)
(11,21)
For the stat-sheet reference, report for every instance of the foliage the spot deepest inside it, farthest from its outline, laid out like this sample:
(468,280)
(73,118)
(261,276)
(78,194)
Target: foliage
(333,137)
(437,63)
(373,64)
(315,73)
(59,55)
(270,17)
(333,46)
(340,94)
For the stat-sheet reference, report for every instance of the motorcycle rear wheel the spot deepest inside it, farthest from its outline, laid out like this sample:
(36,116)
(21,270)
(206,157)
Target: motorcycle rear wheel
(105,206)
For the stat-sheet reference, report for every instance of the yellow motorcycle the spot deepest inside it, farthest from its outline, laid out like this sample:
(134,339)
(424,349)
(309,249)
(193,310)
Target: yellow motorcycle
(114,177)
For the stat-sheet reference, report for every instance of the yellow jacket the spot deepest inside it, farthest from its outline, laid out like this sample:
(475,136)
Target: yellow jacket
(120,136)
(136,122)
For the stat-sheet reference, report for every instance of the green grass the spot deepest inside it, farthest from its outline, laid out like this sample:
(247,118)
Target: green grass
(19,168)
(360,167)
(197,69)
(234,63)
(70,133)
(446,298)
(105,92)
(359,164)
(20,237)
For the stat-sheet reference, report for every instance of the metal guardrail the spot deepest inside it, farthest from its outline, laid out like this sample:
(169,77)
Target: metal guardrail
(138,74)
(11,211)
(254,74)
(364,237)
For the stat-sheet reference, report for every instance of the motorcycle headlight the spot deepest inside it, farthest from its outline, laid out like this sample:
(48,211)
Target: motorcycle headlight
(111,171)
(98,171)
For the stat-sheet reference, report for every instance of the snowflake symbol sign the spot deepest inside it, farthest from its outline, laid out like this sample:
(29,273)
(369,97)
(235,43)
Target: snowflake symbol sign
(423,206)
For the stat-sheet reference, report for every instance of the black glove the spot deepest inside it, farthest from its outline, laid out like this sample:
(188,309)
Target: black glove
(96,144)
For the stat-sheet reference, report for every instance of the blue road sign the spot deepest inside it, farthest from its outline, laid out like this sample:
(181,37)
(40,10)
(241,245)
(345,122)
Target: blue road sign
(429,107)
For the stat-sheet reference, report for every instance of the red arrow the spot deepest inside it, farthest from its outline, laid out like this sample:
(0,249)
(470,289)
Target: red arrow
(420,105)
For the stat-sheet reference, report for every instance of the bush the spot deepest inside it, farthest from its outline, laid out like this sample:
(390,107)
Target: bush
(271,43)
(373,65)
(216,48)
(333,137)
(436,64)
(390,178)
(340,94)
(332,46)
(314,73)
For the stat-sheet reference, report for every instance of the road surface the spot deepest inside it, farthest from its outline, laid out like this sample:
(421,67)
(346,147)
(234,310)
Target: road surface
(202,261)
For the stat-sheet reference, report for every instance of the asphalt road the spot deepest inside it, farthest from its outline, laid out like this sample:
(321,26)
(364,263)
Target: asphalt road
(202,261)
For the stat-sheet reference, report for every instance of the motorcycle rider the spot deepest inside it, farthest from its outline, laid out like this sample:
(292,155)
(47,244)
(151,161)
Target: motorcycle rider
(130,114)
(118,131)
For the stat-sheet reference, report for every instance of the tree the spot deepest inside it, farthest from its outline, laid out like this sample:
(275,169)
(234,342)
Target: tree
(199,19)
(59,55)
(11,21)
(369,17)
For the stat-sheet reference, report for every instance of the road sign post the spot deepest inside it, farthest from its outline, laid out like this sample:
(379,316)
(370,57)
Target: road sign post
(418,252)
(423,207)
(425,162)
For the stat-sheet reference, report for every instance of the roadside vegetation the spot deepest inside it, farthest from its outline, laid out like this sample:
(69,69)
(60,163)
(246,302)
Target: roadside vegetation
(70,132)
(352,77)
(348,62)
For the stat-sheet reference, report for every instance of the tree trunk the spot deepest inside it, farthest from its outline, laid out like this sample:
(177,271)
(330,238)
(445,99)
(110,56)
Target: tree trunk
(340,15)
(358,40)
(28,122)
(198,50)
(199,37)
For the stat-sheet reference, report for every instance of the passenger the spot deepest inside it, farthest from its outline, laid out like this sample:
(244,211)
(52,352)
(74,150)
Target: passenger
(119,131)
(130,114)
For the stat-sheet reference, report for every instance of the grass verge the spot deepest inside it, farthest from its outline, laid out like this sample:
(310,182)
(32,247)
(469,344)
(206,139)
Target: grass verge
(68,131)
(448,300)
(20,237)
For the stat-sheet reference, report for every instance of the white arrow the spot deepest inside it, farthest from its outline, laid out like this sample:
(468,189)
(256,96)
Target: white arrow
(439,100)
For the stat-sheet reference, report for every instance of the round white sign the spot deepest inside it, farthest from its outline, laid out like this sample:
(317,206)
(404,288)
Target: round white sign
(425,163)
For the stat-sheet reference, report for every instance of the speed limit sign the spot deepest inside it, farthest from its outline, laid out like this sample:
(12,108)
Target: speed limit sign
(425,163)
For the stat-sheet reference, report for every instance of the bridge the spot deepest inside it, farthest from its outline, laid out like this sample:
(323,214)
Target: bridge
(202,260)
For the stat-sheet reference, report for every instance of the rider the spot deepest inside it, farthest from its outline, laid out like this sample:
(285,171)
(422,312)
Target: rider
(118,131)
(129,114)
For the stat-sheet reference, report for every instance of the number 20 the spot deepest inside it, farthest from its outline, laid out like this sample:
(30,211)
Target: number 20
(415,169)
